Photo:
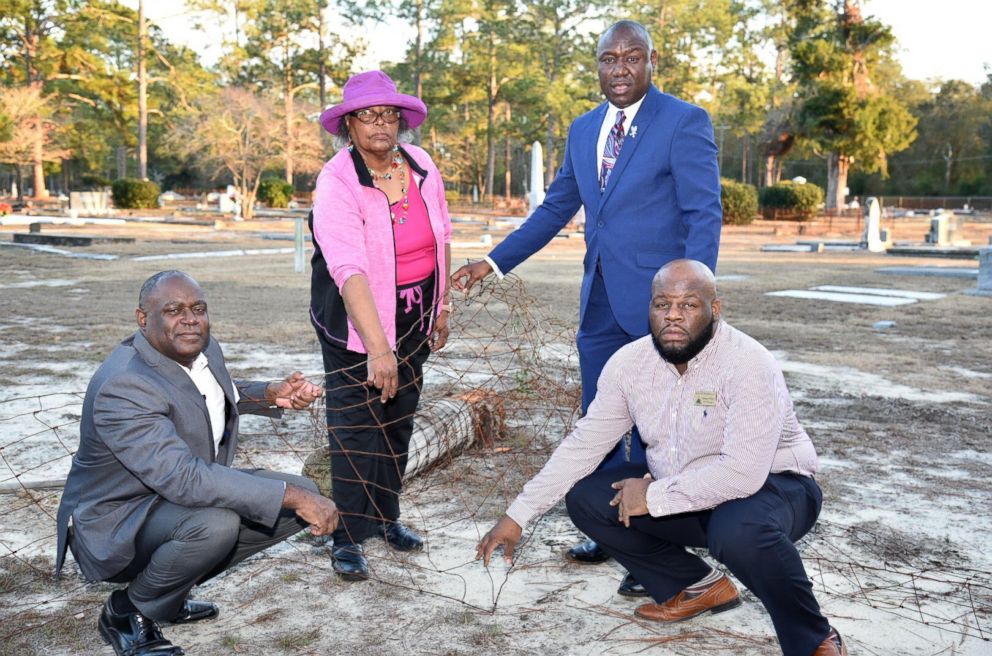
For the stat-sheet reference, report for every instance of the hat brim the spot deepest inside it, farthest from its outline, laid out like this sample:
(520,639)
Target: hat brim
(414,109)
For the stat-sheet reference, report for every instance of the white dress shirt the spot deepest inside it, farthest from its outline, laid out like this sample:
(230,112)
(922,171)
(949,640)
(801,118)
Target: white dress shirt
(213,395)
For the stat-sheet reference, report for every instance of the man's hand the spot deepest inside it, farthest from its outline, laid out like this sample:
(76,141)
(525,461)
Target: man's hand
(383,373)
(468,275)
(319,511)
(632,497)
(295,392)
(507,533)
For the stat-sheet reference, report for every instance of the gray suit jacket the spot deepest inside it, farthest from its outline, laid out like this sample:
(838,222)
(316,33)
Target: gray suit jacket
(145,436)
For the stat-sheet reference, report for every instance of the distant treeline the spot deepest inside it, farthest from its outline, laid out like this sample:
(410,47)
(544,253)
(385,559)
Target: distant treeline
(91,92)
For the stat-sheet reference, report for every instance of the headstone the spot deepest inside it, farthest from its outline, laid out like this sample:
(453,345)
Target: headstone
(536,175)
(984,274)
(946,230)
(475,194)
(225,203)
(34,227)
(13,189)
(872,239)
(90,203)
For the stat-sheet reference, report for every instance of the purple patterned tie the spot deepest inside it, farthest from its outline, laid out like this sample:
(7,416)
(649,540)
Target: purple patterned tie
(611,150)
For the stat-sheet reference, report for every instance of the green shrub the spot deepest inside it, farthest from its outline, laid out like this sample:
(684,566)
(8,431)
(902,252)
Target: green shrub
(275,192)
(131,194)
(739,200)
(799,201)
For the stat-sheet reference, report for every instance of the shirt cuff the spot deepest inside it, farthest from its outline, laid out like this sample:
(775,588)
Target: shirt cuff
(657,503)
(496,270)
(520,513)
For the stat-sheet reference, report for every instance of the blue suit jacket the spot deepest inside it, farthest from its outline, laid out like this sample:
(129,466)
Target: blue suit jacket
(662,203)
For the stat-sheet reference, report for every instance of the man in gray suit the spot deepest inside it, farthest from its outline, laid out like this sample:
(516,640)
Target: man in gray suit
(151,499)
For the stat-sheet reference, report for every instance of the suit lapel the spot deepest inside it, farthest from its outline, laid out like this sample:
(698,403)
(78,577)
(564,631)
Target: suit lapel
(215,362)
(641,124)
(173,373)
(587,164)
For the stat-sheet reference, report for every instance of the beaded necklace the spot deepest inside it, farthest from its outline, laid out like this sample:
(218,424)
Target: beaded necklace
(399,166)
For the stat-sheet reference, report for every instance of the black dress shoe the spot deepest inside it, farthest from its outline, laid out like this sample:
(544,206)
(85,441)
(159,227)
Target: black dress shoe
(196,611)
(401,538)
(587,552)
(133,634)
(349,561)
(630,587)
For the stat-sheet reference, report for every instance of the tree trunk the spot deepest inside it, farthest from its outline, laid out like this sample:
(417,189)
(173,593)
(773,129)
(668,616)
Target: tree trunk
(37,148)
(39,164)
(491,123)
(325,137)
(121,161)
(19,172)
(142,96)
(508,159)
(418,83)
(769,170)
(288,100)
(948,162)
(837,168)
(549,156)
(744,157)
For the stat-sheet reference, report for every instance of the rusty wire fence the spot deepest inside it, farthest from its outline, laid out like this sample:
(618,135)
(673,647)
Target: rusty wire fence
(495,402)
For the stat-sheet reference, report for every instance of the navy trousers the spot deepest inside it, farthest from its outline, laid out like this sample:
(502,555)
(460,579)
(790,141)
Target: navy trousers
(598,338)
(753,537)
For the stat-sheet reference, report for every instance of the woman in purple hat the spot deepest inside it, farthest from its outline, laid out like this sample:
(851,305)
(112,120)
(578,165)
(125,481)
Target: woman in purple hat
(379,302)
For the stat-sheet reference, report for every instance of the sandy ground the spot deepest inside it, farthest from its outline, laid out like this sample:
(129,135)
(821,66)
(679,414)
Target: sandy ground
(900,416)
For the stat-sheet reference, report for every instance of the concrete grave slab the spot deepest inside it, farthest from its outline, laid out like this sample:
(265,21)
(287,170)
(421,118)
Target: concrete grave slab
(875,291)
(840,297)
(940,272)
(792,248)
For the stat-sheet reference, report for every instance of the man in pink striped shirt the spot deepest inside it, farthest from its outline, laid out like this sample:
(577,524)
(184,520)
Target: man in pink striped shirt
(729,468)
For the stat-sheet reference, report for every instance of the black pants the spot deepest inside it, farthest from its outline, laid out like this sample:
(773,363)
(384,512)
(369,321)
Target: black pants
(753,537)
(180,546)
(369,439)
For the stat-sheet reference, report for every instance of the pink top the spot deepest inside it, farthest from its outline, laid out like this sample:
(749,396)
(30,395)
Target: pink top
(351,224)
(415,248)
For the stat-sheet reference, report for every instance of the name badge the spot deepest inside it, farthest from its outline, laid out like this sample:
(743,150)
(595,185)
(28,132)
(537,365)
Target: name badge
(704,398)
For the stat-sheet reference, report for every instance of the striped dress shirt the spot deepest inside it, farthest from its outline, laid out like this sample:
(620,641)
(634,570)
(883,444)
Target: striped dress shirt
(712,434)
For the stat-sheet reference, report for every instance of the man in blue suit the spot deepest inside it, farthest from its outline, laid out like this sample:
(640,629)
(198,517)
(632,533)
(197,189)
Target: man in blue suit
(644,167)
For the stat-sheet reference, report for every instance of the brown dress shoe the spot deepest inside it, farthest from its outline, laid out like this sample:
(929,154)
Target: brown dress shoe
(716,598)
(832,645)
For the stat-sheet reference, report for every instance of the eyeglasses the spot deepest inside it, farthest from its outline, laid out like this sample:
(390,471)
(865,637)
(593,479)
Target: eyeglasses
(368,117)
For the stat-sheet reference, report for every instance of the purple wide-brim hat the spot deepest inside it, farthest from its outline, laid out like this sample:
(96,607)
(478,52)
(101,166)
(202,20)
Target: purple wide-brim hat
(371,89)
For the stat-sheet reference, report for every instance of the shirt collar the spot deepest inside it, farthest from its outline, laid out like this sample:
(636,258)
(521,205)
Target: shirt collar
(199,364)
(629,112)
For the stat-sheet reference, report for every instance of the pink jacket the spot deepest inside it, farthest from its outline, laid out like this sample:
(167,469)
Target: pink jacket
(353,234)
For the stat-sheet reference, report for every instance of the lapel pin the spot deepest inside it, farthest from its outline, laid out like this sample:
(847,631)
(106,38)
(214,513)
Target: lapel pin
(633,131)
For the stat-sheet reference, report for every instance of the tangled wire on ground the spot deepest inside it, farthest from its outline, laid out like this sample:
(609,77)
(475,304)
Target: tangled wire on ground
(509,377)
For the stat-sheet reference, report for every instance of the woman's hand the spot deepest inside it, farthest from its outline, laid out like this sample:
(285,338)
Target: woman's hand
(383,373)
(439,335)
